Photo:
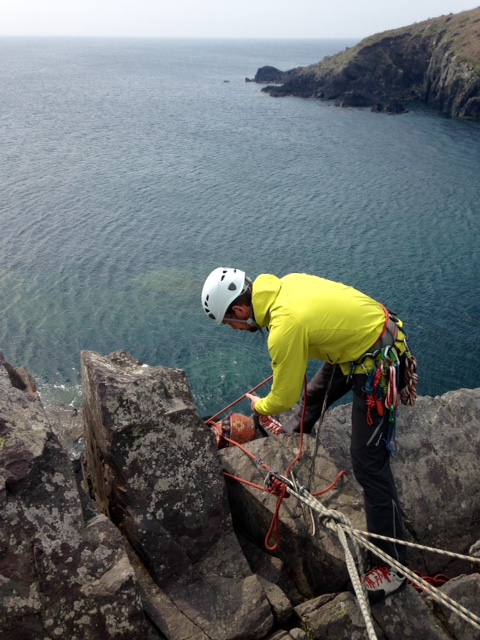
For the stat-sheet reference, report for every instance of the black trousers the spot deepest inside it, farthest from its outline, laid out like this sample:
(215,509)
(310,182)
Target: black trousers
(368,450)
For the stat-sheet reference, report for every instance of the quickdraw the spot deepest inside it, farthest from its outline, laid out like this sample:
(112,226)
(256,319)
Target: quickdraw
(373,392)
(381,387)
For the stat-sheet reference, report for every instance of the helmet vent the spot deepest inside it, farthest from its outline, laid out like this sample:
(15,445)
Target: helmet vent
(232,286)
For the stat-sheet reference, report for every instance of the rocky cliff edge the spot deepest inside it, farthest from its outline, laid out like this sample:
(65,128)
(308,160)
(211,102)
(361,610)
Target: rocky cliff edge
(434,63)
(117,521)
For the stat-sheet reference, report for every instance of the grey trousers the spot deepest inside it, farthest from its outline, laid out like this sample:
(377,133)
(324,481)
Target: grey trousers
(369,454)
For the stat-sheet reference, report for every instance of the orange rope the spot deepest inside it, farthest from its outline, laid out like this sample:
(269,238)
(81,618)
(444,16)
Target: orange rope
(247,482)
(232,404)
(437,581)
(279,491)
(334,483)
(276,520)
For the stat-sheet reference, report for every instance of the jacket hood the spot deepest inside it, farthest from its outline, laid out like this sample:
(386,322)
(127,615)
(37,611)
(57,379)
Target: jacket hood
(265,292)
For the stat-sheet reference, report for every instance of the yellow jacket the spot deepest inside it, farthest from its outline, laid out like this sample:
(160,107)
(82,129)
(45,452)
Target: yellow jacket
(311,318)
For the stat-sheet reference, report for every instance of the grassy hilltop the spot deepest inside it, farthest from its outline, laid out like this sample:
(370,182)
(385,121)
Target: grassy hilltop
(435,62)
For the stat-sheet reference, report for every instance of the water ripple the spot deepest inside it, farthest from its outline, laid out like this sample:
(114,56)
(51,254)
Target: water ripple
(130,170)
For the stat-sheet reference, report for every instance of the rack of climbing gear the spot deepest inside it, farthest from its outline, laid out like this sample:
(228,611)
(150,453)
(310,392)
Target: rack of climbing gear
(381,387)
(381,391)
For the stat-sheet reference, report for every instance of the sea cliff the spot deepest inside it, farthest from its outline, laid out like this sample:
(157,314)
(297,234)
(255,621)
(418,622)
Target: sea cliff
(434,63)
(124,521)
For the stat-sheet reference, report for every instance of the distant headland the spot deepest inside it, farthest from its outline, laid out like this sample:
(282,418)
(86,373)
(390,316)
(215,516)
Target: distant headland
(435,63)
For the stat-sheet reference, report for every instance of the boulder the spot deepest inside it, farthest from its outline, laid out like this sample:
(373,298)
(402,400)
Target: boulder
(339,616)
(437,470)
(153,467)
(61,574)
(466,590)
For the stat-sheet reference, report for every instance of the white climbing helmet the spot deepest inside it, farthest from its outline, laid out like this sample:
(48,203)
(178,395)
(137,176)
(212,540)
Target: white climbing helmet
(221,288)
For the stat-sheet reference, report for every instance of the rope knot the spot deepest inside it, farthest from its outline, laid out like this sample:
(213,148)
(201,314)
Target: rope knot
(276,487)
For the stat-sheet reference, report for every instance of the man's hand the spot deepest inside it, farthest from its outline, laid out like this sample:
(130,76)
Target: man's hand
(253,399)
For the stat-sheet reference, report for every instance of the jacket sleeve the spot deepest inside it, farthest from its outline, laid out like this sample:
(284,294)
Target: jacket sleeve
(288,347)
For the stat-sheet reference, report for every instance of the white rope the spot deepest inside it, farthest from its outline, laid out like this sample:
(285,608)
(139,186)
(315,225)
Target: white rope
(417,546)
(362,597)
(337,521)
(425,586)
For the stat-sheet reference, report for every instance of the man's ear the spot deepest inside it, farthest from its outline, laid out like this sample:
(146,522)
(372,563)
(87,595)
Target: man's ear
(242,311)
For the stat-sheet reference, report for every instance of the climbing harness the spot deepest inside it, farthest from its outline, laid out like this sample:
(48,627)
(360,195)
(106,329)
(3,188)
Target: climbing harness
(384,387)
(389,344)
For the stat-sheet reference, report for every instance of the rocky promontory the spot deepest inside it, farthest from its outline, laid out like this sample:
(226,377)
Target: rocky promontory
(434,63)
(123,520)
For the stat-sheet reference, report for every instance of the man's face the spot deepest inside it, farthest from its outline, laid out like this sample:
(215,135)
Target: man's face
(237,318)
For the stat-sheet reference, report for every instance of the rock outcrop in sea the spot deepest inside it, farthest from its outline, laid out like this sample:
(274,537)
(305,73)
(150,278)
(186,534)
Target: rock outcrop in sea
(434,63)
(117,520)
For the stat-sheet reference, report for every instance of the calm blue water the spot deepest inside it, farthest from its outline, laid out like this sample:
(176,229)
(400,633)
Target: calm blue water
(129,169)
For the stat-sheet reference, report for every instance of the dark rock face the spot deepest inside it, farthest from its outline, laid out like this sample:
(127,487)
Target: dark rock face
(436,470)
(154,469)
(52,560)
(178,553)
(428,63)
(315,563)
(271,74)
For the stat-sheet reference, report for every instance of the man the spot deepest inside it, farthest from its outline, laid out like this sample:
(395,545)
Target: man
(363,349)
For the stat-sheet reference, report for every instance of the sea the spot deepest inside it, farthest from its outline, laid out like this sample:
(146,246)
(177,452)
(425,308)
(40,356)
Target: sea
(131,168)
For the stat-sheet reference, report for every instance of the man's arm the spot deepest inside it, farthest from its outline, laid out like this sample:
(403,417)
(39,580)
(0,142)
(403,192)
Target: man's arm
(288,348)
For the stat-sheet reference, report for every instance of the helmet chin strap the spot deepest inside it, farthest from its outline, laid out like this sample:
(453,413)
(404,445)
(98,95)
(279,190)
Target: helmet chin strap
(250,321)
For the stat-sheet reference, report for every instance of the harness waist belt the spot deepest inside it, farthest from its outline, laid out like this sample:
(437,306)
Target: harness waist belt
(387,339)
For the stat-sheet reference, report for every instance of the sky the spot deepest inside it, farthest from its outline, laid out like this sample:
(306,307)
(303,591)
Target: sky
(218,18)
